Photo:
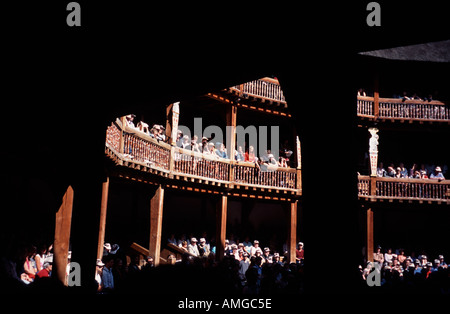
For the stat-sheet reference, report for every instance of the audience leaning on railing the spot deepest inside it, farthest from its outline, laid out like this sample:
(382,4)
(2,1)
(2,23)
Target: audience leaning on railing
(425,172)
(208,147)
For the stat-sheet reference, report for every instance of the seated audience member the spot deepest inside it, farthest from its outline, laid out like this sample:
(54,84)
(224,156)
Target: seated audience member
(239,154)
(186,144)
(390,172)
(250,155)
(381,172)
(129,119)
(193,248)
(437,174)
(403,171)
(195,147)
(221,151)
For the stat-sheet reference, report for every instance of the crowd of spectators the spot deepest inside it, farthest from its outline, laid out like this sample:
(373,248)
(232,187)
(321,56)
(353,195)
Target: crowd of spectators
(414,172)
(218,150)
(403,95)
(398,270)
(246,268)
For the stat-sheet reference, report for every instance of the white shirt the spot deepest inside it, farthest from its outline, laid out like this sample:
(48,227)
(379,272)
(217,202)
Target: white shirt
(193,249)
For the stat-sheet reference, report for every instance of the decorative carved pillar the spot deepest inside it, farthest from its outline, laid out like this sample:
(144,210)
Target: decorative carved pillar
(373,151)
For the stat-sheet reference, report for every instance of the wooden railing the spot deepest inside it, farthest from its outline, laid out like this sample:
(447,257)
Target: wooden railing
(394,108)
(406,189)
(129,145)
(265,88)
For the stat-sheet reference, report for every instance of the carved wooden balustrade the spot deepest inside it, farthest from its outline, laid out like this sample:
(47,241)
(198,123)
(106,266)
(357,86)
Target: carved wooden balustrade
(133,148)
(404,189)
(265,88)
(397,109)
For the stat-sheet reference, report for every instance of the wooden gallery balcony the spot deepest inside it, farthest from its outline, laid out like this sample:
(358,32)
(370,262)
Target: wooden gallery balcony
(394,109)
(139,157)
(404,190)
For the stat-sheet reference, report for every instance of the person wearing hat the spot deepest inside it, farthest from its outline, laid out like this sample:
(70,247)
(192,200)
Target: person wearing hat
(299,253)
(267,257)
(193,248)
(443,263)
(98,272)
(107,248)
(437,174)
(46,268)
(255,248)
(276,258)
(417,267)
(203,248)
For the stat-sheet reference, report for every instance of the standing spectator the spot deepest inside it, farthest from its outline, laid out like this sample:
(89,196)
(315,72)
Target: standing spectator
(107,274)
(300,253)
(243,267)
(192,248)
(437,174)
(268,258)
(255,248)
(436,265)
(442,262)
(417,268)
(247,244)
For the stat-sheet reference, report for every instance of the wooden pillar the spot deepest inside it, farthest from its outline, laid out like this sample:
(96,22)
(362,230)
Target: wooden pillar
(221,226)
(156,214)
(293,232)
(62,236)
(376,97)
(102,227)
(231,137)
(370,248)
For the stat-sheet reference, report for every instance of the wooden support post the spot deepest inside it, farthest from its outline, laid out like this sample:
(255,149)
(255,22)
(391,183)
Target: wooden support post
(62,236)
(293,232)
(370,248)
(231,137)
(156,214)
(103,210)
(221,226)
(376,97)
